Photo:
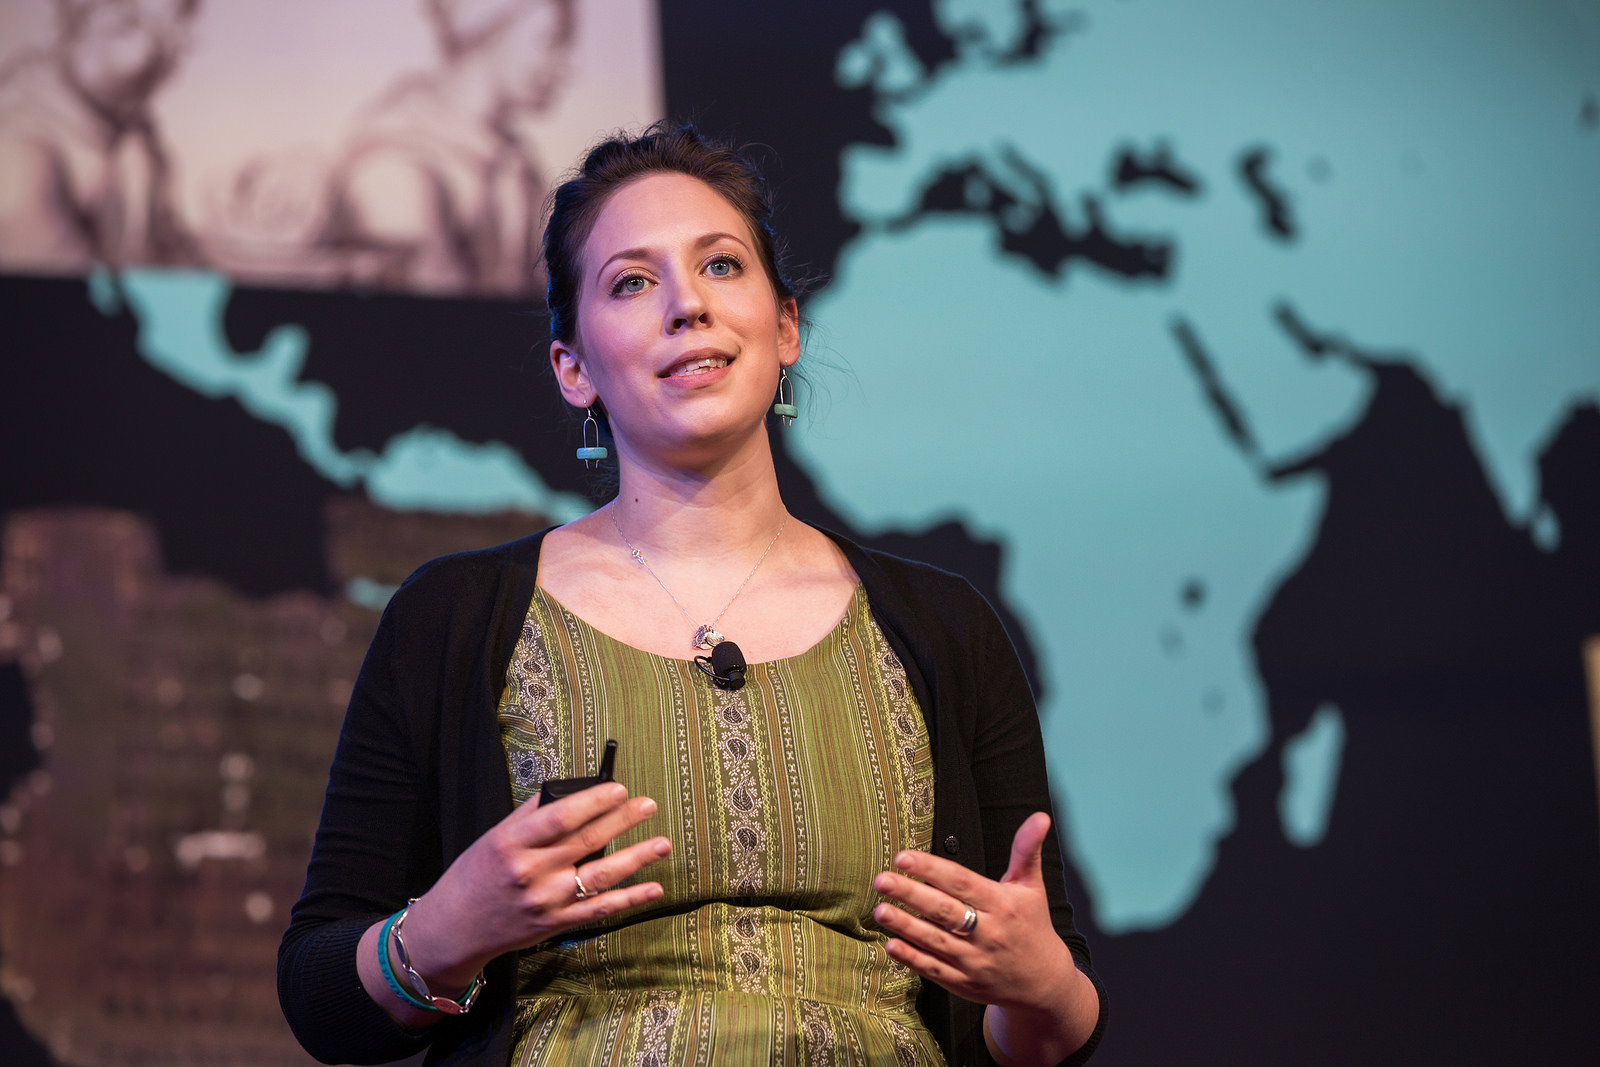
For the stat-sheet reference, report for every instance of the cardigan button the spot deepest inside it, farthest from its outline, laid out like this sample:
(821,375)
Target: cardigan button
(951,845)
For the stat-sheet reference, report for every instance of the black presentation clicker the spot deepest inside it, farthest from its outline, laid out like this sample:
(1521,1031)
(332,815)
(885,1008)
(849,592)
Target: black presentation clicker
(557,788)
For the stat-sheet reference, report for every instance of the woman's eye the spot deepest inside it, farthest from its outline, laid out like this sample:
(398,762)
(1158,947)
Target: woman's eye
(629,283)
(723,267)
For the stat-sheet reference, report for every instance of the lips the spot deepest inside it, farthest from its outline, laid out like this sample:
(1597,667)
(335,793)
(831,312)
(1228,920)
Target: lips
(697,363)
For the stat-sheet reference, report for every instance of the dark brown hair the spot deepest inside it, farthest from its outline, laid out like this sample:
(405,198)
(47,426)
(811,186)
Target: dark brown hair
(662,148)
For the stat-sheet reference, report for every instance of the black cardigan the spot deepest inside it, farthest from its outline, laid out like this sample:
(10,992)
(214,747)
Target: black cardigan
(420,774)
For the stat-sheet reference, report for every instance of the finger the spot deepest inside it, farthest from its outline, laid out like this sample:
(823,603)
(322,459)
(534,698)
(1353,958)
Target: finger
(943,874)
(928,965)
(926,935)
(613,870)
(536,825)
(601,879)
(593,835)
(600,906)
(1027,849)
(935,905)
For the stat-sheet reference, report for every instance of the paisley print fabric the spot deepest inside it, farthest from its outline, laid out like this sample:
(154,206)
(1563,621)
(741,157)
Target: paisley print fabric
(782,801)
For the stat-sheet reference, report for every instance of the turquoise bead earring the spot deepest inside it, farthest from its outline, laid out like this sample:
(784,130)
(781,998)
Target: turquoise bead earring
(785,409)
(591,454)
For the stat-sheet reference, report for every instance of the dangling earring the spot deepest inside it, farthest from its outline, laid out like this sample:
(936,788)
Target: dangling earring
(591,454)
(785,409)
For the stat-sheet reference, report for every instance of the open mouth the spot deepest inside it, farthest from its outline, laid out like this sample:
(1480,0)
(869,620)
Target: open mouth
(698,366)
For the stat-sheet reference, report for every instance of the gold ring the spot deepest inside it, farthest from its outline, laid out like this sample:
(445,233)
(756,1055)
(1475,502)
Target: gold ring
(583,890)
(969,923)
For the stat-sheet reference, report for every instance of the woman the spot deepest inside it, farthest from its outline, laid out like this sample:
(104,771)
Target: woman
(884,722)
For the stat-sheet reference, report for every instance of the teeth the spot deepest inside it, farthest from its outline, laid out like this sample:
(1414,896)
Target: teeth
(696,367)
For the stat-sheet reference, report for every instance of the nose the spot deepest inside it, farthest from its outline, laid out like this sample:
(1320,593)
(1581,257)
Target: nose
(690,306)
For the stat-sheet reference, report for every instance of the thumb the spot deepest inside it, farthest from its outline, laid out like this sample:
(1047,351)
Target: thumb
(1026,849)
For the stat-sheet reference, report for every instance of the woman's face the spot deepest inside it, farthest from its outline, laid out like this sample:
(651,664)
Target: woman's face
(679,333)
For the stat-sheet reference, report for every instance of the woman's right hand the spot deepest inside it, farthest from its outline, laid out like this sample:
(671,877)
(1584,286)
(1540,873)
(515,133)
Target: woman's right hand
(515,887)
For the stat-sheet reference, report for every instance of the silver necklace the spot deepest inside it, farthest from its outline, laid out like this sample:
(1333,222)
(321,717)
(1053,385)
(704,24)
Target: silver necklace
(705,637)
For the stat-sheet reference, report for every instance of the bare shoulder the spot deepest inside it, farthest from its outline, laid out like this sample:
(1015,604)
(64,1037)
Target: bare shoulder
(799,602)
(577,559)
(819,562)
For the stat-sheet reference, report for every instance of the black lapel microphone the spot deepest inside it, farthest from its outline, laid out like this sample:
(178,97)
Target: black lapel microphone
(725,666)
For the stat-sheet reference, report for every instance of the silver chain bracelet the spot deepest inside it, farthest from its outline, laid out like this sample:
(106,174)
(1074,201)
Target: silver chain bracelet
(417,986)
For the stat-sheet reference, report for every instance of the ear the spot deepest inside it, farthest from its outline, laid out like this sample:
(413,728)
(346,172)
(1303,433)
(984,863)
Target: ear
(788,332)
(573,380)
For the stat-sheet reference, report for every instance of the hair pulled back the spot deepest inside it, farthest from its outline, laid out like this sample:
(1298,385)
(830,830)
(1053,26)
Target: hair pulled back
(663,148)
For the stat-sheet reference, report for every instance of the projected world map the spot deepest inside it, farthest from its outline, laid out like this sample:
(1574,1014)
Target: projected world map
(1099,319)
(1075,277)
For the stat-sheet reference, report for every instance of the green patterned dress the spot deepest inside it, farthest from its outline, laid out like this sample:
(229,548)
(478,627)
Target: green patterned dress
(782,801)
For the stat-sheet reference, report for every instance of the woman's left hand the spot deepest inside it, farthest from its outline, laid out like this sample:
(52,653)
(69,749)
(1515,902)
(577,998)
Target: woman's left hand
(1012,958)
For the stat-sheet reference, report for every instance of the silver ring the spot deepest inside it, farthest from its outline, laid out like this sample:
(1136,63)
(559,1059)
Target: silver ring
(583,890)
(969,923)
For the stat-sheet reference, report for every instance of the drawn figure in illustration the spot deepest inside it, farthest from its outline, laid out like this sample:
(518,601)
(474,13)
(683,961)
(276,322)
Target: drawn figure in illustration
(438,187)
(85,175)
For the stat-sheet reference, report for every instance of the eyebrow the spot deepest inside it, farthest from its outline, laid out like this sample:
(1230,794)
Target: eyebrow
(704,241)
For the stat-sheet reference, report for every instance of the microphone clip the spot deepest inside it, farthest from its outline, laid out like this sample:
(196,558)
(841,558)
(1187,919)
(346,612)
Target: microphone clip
(725,666)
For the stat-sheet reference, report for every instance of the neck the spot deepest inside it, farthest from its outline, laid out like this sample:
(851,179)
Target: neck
(701,516)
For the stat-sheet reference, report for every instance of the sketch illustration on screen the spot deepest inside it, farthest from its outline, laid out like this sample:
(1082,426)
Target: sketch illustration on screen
(85,171)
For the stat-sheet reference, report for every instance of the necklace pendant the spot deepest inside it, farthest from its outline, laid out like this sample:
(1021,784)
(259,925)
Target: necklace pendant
(707,638)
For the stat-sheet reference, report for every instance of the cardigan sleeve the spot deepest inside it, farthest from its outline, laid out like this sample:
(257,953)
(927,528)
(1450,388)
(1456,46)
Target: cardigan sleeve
(376,846)
(1008,770)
